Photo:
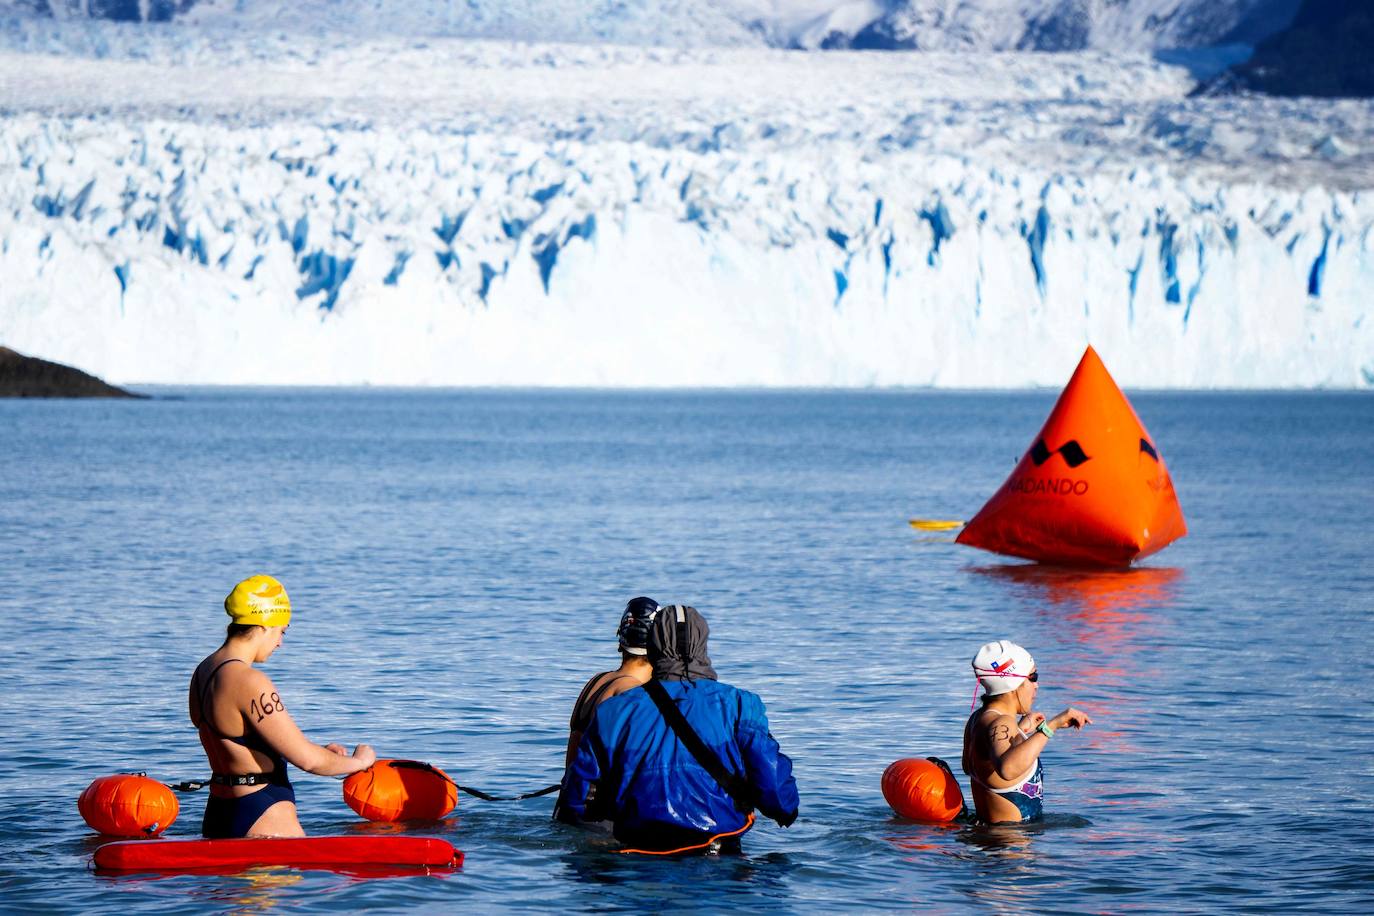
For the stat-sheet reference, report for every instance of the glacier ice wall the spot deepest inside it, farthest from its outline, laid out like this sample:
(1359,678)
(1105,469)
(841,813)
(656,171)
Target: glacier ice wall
(172,253)
(665,220)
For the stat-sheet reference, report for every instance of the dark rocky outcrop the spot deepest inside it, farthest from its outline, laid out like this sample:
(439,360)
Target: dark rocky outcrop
(116,10)
(1064,25)
(1328,50)
(27,377)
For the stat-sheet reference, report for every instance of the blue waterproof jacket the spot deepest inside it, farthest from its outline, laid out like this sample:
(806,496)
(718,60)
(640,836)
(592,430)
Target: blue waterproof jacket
(646,781)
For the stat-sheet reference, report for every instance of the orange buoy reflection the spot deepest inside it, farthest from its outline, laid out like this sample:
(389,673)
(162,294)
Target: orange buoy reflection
(1103,600)
(1109,613)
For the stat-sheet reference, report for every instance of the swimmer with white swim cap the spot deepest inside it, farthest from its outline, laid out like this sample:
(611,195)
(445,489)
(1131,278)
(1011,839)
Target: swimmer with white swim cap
(1003,739)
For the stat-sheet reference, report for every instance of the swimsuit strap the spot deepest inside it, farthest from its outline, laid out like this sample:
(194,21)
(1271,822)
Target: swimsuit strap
(586,688)
(589,699)
(202,692)
(253,742)
(607,685)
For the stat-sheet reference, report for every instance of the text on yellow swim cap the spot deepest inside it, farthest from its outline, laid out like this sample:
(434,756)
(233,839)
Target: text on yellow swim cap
(259,601)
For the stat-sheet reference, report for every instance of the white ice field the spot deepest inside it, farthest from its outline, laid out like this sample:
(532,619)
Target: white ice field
(196,206)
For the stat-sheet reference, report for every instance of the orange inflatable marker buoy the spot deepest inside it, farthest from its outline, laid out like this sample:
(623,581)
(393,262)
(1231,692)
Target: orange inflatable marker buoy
(128,805)
(1092,490)
(400,790)
(923,790)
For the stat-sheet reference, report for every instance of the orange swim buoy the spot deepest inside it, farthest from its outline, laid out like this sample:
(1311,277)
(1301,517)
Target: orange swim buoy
(129,804)
(1091,490)
(923,790)
(400,790)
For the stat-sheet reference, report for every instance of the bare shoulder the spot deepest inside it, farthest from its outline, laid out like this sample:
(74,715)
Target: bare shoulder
(242,679)
(995,719)
(999,728)
(622,683)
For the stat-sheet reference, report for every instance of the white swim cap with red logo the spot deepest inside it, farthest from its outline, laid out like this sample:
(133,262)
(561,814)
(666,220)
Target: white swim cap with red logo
(1002,666)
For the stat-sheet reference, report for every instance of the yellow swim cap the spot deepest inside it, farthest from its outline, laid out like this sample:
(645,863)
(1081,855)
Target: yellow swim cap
(259,601)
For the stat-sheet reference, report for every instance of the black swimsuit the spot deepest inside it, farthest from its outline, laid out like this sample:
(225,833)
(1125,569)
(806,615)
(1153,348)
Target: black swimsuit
(226,818)
(588,700)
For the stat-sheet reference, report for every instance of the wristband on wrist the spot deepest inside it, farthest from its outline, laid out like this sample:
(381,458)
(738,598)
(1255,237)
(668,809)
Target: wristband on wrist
(1045,730)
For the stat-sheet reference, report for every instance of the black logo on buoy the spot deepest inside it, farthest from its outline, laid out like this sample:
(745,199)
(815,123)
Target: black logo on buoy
(1070,451)
(1065,486)
(1149,449)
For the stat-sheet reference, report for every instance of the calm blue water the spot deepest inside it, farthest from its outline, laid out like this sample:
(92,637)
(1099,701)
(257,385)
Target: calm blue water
(457,562)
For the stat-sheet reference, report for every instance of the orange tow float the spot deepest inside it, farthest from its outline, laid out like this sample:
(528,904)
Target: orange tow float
(922,789)
(400,790)
(129,804)
(1091,490)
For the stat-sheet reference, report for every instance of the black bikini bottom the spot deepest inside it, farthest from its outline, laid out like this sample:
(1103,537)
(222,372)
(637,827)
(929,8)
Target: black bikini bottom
(227,818)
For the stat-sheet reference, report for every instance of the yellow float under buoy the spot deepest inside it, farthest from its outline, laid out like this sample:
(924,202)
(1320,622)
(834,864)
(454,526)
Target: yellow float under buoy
(935,524)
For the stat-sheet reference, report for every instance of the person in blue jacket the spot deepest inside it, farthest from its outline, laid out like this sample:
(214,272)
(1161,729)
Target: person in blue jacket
(632,769)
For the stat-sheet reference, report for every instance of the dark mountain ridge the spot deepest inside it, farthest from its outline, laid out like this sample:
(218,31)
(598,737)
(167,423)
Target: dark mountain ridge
(29,377)
(1328,50)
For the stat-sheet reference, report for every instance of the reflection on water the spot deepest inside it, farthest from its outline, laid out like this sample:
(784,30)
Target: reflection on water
(254,891)
(1006,855)
(920,837)
(1103,601)
(1110,614)
(1107,611)
(621,880)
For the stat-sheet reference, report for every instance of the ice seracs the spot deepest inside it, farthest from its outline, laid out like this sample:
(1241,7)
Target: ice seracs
(449,212)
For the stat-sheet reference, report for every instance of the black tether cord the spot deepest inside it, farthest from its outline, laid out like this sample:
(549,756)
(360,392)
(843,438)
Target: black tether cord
(475,793)
(193,785)
(187,786)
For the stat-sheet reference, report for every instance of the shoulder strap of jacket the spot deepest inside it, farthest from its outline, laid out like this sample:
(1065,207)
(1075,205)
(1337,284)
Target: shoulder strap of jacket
(735,786)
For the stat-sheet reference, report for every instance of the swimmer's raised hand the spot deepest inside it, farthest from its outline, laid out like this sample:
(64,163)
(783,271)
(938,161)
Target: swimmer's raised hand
(1030,721)
(1070,718)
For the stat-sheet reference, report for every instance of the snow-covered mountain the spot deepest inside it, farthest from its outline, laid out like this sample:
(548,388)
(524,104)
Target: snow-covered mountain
(1042,25)
(667,23)
(181,205)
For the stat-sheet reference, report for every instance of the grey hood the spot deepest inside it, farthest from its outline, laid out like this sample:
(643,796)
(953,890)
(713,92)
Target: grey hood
(677,650)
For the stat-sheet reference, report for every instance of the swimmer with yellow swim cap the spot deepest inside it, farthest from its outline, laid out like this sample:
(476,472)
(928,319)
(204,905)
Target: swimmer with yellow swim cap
(245,729)
(1003,739)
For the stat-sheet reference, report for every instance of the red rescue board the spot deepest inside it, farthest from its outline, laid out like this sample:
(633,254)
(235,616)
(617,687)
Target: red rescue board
(345,852)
